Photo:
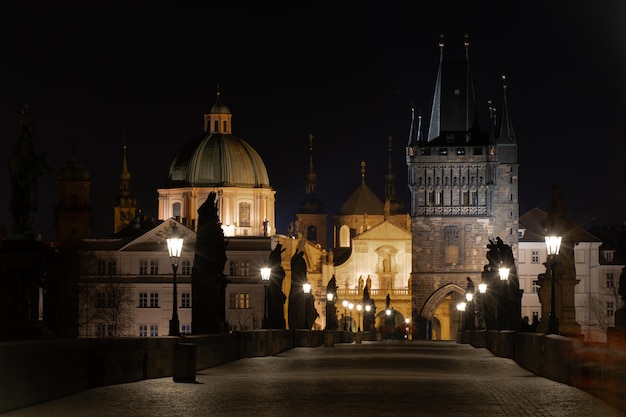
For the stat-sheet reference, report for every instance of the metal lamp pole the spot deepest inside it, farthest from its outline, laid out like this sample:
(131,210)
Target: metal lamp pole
(266,273)
(345,319)
(306,287)
(359,307)
(482,288)
(553,244)
(174,248)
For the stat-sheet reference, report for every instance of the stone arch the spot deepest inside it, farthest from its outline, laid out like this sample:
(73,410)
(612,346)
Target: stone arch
(436,298)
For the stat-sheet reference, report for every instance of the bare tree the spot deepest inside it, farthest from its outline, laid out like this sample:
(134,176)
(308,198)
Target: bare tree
(598,307)
(103,298)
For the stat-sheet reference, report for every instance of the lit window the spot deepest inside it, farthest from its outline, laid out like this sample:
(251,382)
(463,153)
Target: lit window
(154,299)
(610,280)
(186,267)
(143,330)
(143,299)
(239,300)
(154,330)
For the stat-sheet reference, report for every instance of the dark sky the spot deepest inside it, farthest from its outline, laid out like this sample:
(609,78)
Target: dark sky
(92,72)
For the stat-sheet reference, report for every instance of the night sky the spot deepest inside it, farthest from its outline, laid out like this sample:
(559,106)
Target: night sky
(93,73)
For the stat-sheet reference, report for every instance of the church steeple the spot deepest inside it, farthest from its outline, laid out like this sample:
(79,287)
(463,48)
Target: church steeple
(125,205)
(312,222)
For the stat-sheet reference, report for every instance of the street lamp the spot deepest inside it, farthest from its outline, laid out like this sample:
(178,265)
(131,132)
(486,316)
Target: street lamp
(306,287)
(330,297)
(266,273)
(461,308)
(407,321)
(345,322)
(174,248)
(368,308)
(553,244)
(350,307)
(482,288)
(359,307)
(469,297)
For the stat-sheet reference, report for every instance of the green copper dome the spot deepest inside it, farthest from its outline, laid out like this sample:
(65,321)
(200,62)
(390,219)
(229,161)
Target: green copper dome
(217,160)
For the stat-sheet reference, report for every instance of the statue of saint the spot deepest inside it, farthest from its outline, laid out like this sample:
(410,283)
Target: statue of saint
(26,166)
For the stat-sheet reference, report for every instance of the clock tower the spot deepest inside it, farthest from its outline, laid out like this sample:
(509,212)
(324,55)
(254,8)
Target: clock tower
(125,206)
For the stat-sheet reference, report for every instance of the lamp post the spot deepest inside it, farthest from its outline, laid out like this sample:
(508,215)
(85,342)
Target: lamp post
(482,288)
(359,307)
(469,296)
(553,244)
(504,277)
(345,319)
(266,273)
(330,297)
(350,307)
(407,321)
(174,248)
(461,308)
(368,308)
(306,287)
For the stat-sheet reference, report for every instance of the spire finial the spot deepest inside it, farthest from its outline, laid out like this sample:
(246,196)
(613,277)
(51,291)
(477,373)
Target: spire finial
(362,172)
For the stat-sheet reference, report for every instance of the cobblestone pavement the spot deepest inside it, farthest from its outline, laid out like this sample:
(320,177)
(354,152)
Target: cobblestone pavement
(415,378)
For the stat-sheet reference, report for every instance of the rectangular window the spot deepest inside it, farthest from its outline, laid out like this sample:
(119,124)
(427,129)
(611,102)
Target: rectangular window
(239,300)
(143,330)
(534,256)
(185,328)
(101,299)
(154,299)
(154,330)
(535,286)
(185,268)
(111,267)
(234,268)
(244,215)
(244,268)
(143,267)
(154,267)
(102,268)
(101,330)
(610,308)
(185,300)
(610,280)
(143,299)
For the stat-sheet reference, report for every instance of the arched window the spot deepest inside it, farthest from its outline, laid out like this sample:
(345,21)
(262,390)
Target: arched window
(344,237)
(225,126)
(311,233)
(176,210)
(216,126)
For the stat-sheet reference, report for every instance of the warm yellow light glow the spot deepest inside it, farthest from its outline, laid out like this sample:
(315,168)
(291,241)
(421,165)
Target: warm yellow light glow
(469,296)
(266,273)
(359,307)
(175,247)
(330,296)
(306,287)
(482,288)
(553,244)
(504,274)
(460,306)
(344,303)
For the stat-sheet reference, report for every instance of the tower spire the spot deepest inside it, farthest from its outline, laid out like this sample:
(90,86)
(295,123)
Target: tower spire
(311,178)
(507,135)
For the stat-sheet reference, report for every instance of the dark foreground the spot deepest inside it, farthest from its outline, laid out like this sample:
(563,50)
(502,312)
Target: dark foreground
(391,378)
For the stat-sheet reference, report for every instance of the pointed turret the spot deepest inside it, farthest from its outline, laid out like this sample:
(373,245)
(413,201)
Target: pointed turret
(124,205)
(310,204)
(390,186)
(507,135)
(454,120)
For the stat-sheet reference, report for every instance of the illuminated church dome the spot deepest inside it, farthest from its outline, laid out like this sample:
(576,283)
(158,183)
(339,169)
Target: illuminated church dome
(221,162)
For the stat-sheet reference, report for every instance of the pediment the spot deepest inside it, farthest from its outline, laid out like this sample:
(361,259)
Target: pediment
(384,231)
(155,239)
